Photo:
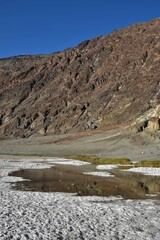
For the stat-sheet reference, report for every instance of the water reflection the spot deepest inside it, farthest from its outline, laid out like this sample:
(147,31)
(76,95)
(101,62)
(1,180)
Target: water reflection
(71,179)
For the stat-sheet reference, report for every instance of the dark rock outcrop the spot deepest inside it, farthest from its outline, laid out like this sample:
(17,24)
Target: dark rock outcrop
(109,80)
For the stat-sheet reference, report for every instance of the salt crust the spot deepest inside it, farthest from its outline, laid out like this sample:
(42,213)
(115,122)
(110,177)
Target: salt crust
(101,174)
(51,216)
(146,170)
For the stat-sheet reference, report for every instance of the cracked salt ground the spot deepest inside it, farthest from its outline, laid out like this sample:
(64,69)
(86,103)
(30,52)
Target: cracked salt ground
(37,215)
(61,216)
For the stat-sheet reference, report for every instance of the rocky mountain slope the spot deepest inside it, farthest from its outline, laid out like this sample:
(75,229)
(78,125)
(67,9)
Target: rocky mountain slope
(109,80)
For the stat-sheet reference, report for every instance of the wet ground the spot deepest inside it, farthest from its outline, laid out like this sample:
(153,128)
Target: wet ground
(71,179)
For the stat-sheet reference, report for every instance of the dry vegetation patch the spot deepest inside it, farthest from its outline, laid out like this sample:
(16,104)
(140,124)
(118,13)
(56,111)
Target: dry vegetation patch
(148,163)
(119,161)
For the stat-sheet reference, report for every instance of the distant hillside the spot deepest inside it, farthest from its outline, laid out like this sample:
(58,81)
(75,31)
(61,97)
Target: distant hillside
(109,80)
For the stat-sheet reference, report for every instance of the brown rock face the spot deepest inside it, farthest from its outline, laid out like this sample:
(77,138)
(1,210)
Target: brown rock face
(154,124)
(109,80)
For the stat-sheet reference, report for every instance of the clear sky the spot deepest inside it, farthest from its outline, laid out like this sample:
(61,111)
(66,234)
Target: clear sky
(46,26)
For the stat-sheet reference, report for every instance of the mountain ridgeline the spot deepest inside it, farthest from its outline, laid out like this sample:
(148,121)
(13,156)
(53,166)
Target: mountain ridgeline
(110,80)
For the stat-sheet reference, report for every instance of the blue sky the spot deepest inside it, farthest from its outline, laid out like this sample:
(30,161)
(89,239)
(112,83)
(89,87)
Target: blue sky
(46,26)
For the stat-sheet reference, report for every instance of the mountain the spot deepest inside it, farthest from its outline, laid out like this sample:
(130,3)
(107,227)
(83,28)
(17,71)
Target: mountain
(110,80)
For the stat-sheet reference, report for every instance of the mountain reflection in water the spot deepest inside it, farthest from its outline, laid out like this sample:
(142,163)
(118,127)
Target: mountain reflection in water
(71,179)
